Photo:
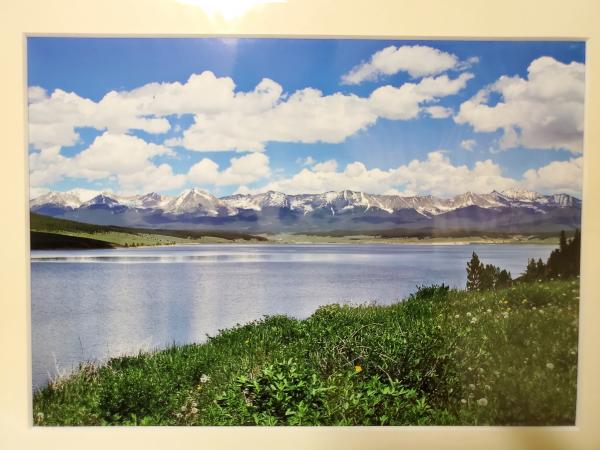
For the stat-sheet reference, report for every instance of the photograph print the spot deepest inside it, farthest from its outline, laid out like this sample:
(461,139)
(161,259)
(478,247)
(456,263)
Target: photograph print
(281,231)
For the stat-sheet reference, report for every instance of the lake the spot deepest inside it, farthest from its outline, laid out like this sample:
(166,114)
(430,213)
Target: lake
(89,305)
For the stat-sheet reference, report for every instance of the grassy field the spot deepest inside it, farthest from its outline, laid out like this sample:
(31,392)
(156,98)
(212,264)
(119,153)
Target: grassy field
(446,357)
(127,237)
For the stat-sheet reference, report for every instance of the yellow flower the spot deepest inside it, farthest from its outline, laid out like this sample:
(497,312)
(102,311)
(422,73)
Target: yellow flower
(358,368)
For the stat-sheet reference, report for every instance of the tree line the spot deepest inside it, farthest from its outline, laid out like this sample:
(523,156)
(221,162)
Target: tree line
(563,262)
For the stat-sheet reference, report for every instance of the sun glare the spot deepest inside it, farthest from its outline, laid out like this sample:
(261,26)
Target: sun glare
(228,9)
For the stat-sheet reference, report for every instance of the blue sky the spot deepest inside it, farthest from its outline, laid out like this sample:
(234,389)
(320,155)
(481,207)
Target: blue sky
(505,113)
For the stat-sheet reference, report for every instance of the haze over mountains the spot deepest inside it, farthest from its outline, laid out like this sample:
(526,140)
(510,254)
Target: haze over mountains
(513,210)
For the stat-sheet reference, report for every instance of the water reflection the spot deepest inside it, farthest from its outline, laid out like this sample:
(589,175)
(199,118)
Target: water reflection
(90,305)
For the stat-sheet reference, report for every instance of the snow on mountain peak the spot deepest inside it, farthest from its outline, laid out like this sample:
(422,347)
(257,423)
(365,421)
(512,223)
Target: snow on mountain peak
(521,194)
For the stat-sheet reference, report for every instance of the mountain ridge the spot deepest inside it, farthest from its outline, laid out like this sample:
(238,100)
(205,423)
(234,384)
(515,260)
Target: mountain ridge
(273,211)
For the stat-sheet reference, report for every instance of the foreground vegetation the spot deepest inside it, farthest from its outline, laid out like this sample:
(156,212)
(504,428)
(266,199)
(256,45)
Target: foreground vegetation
(448,357)
(72,234)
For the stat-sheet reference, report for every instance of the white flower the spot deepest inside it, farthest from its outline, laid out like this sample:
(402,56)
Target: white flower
(463,401)
(549,366)
(482,401)
(474,320)
(204,378)
(489,310)
(457,316)
(472,386)
(468,314)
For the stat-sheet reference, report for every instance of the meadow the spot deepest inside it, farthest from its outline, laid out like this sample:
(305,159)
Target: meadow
(49,232)
(440,357)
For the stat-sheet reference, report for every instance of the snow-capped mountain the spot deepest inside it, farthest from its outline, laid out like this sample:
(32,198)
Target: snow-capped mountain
(343,210)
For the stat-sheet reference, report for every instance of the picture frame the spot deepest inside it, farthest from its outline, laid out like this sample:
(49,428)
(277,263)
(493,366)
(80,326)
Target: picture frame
(465,19)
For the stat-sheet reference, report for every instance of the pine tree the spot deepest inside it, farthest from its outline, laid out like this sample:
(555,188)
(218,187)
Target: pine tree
(474,273)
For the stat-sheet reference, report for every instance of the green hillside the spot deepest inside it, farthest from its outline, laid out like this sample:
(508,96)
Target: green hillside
(124,236)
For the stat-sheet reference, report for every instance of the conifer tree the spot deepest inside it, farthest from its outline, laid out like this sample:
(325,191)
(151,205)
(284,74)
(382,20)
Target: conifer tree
(474,273)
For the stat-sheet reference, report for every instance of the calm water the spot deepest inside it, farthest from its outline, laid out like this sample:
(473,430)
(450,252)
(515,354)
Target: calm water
(88,305)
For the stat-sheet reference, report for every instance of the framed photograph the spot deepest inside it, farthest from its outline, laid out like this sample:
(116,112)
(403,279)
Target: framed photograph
(319,228)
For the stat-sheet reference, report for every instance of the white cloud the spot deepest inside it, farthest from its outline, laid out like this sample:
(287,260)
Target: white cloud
(151,178)
(544,111)
(326,166)
(558,176)
(306,116)
(53,120)
(308,161)
(405,102)
(118,154)
(435,175)
(438,112)
(468,144)
(36,94)
(226,119)
(37,191)
(416,60)
(124,158)
(243,170)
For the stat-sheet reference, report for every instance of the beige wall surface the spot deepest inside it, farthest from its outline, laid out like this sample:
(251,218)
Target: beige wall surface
(548,19)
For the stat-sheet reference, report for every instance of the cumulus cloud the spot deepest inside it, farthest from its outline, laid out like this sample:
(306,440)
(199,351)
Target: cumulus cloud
(326,166)
(404,102)
(543,111)
(307,116)
(435,175)
(416,60)
(53,119)
(558,176)
(468,144)
(226,119)
(243,170)
(124,158)
(438,112)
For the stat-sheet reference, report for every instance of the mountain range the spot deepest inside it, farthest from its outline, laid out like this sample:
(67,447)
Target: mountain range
(514,210)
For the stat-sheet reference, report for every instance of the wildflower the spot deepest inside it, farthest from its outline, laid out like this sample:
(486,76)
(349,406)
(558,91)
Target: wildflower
(204,378)
(534,308)
(524,301)
(469,314)
(358,368)
(482,401)
(472,386)
(488,387)
(496,373)
(549,366)
(481,370)
(463,401)
(457,316)
(489,310)
(194,410)
(474,320)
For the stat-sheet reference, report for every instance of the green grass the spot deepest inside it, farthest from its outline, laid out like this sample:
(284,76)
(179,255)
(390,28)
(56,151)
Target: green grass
(125,236)
(441,357)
